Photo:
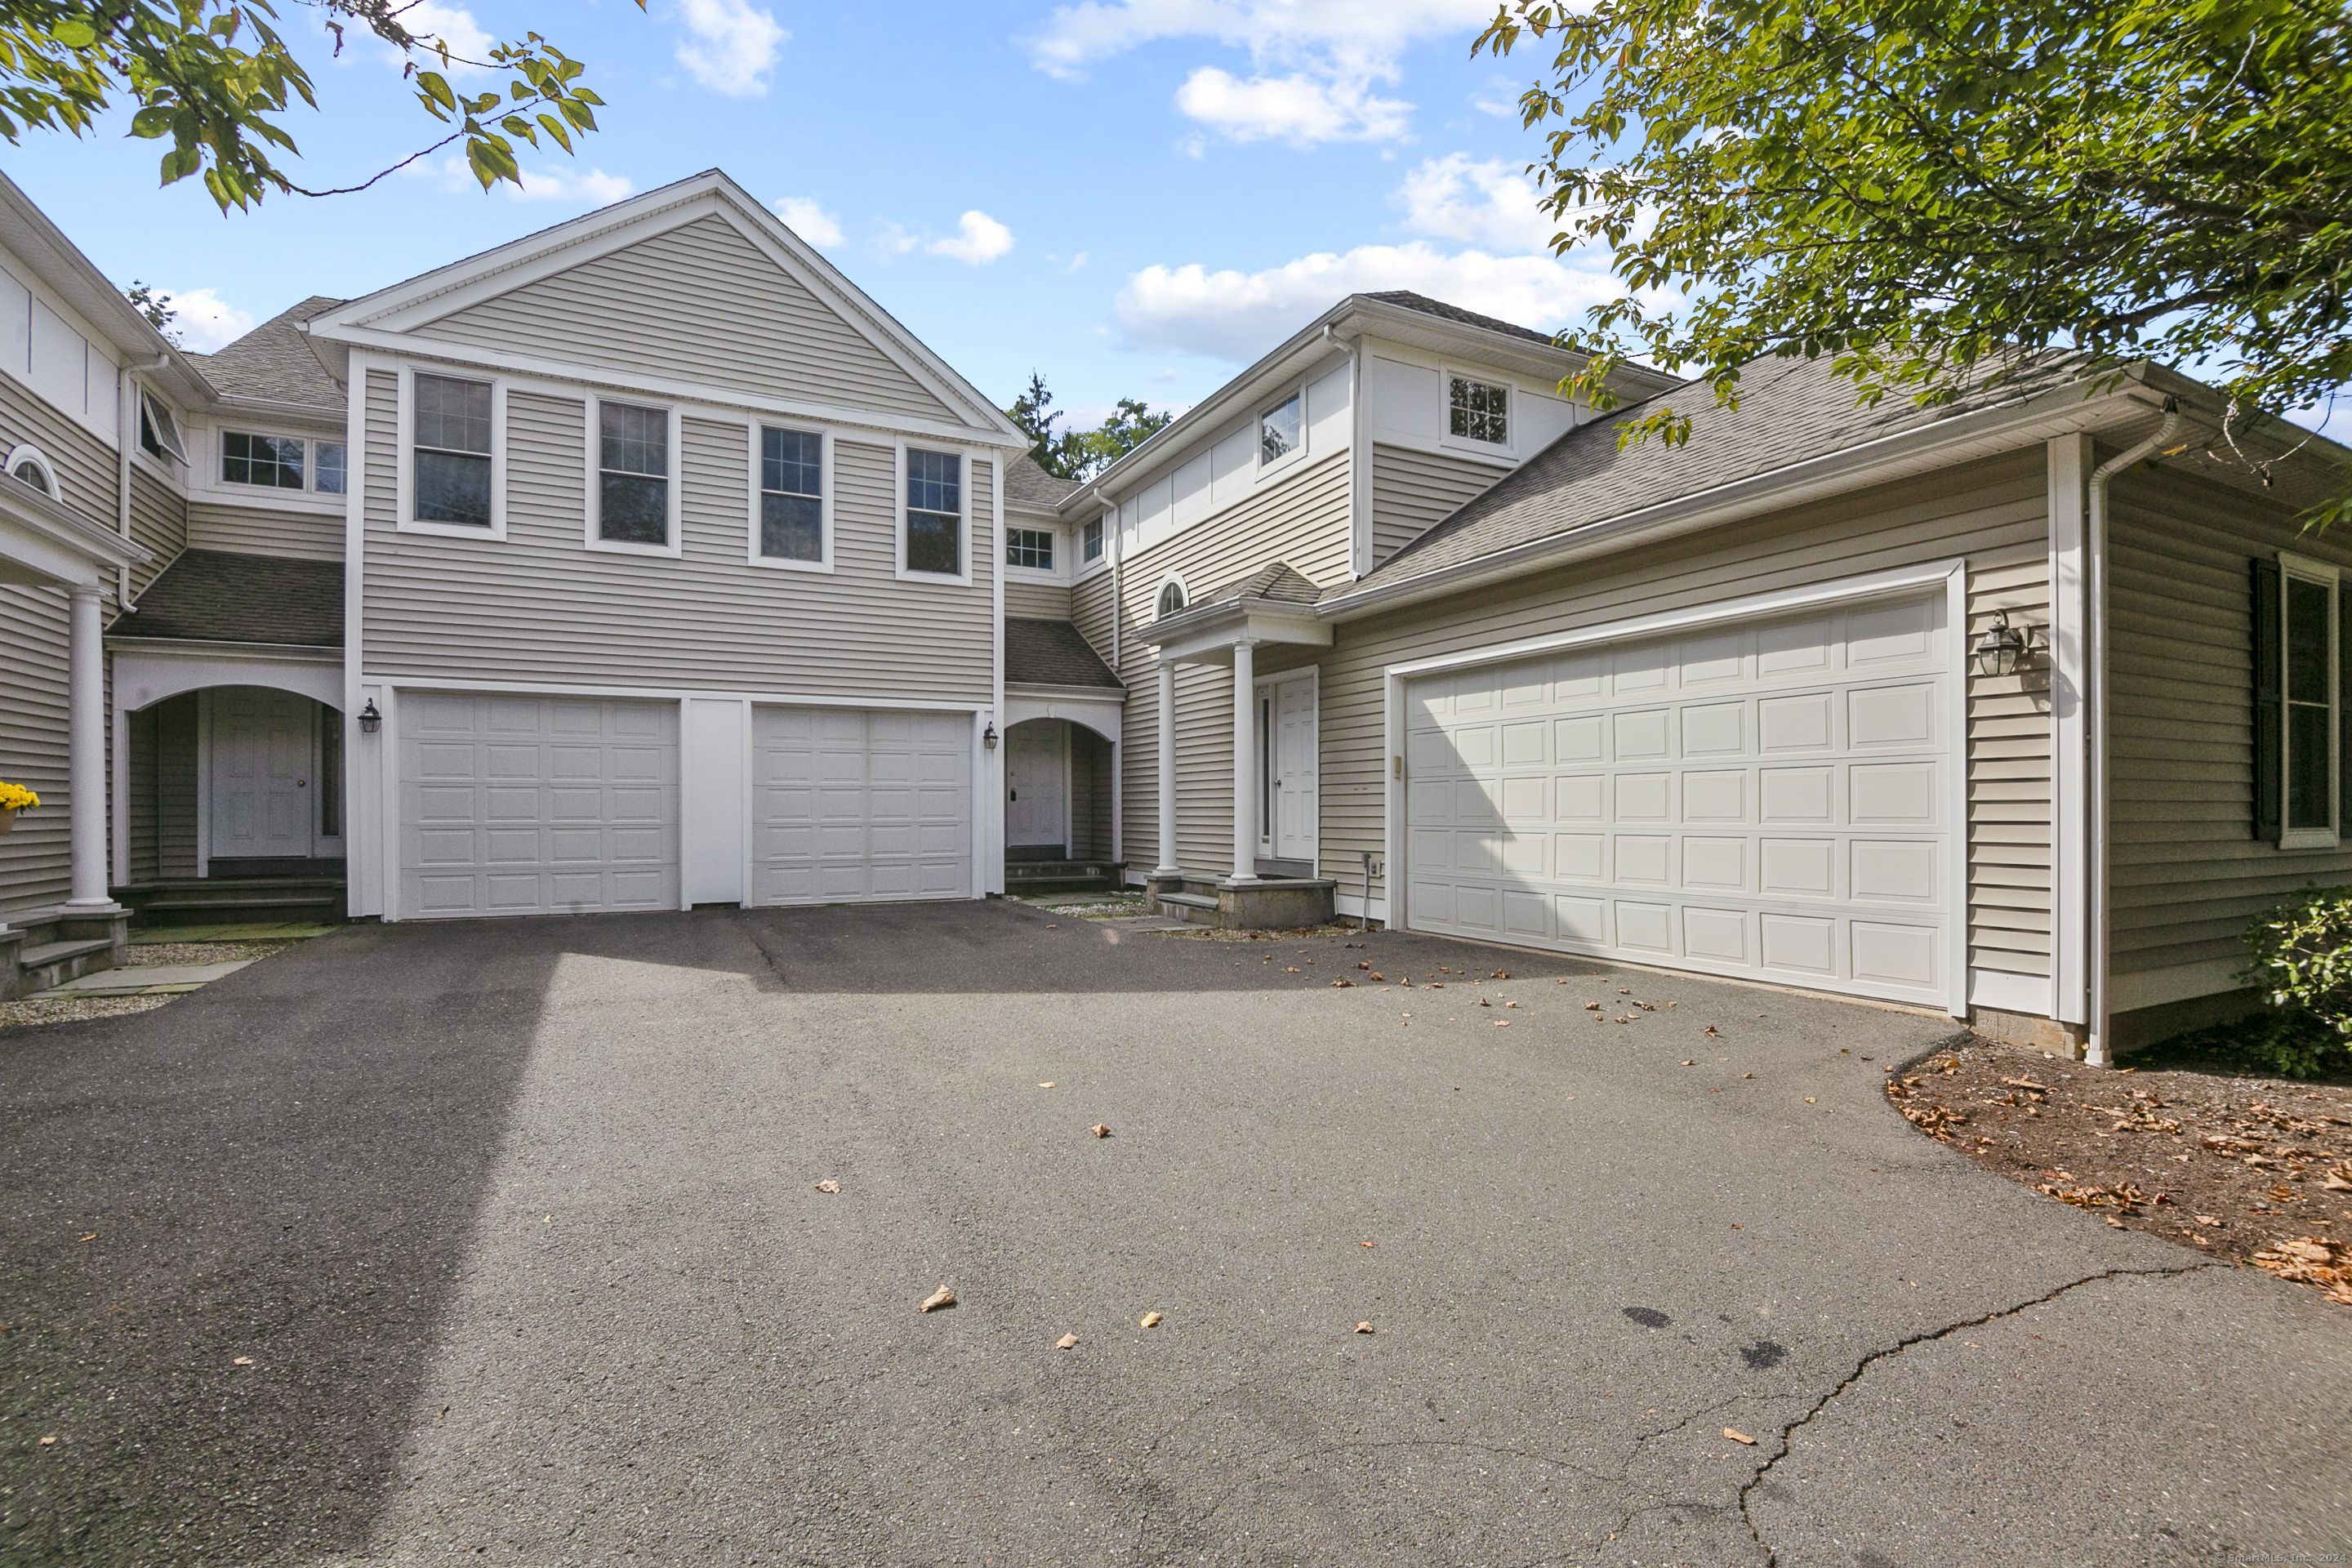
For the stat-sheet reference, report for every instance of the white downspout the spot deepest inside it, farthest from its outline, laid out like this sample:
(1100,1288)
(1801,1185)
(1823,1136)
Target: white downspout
(2094,674)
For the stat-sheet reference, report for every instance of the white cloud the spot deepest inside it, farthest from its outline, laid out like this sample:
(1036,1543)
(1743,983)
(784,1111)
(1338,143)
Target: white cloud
(977,240)
(1237,316)
(1491,203)
(453,25)
(733,44)
(206,323)
(1315,62)
(811,222)
(1301,109)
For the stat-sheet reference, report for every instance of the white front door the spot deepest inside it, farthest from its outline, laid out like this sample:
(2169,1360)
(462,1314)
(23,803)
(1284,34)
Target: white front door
(1773,800)
(1288,752)
(1037,762)
(263,759)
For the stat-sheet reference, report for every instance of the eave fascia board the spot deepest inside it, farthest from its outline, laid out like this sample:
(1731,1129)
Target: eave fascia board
(1223,625)
(729,398)
(28,509)
(1892,458)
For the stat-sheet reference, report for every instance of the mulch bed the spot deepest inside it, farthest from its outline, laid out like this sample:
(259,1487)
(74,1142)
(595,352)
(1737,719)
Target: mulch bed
(2253,1170)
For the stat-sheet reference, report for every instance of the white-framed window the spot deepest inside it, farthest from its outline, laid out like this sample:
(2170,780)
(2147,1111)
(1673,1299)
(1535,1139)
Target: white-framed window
(632,490)
(32,466)
(159,432)
(1170,599)
(453,455)
(791,498)
(2300,645)
(328,468)
(1091,541)
(272,462)
(1477,411)
(1282,430)
(1029,547)
(935,522)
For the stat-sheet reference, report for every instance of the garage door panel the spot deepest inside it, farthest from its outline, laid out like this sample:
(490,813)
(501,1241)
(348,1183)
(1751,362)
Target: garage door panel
(855,805)
(550,805)
(1766,799)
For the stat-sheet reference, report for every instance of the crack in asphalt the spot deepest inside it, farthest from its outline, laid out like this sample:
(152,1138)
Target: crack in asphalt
(1928,1336)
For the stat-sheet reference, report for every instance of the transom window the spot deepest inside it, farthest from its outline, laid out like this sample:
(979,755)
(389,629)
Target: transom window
(1478,410)
(34,472)
(159,433)
(1171,598)
(791,495)
(452,438)
(633,474)
(1031,547)
(1281,429)
(1090,542)
(934,512)
(274,462)
(2299,649)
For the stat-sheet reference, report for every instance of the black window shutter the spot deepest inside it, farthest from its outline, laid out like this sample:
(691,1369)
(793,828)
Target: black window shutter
(2270,704)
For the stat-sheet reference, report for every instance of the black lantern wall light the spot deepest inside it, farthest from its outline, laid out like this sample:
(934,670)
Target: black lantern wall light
(2003,649)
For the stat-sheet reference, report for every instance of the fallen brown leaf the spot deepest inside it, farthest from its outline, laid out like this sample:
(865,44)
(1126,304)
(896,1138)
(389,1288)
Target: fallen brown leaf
(1047,1084)
(48,1442)
(1150,1321)
(242,1361)
(1341,983)
(1100,1129)
(1738,1436)
(942,1297)
(1067,1341)
(828,1185)
(1363,1328)
(1363,1244)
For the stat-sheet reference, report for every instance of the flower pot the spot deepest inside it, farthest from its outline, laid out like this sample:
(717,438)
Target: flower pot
(7,817)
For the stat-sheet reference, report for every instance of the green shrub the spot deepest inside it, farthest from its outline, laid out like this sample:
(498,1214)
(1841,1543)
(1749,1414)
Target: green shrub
(2300,954)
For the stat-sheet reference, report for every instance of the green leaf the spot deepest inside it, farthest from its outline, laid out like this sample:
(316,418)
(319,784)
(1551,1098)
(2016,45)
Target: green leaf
(74,33)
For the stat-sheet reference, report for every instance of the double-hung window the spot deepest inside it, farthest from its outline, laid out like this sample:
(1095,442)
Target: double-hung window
(633,474)
(274,462)
(792,496)
(327,467)
(2302,796)
(1090,542)
(934,512)
(1477,411)
(452,451)
(1030,547)
(1281,430)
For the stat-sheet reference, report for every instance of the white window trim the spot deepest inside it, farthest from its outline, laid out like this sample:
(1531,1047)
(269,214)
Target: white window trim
(1081,568)
(823,563)
(1161,586)
(1447,439)
(1062,548)
(404,519)
(2291,567)
(1257,433)
(222,482)
(674,481)
(26,453)
(899,514)
(175,441)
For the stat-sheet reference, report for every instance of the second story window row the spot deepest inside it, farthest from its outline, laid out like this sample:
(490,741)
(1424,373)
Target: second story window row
(934,512)
(633,474)
(453,451)
(791,495)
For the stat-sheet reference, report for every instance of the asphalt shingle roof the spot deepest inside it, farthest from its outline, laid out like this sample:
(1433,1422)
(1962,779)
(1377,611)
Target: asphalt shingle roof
(1407,299)
(1026,484)
(1052,653)
(274,361)
(1273,581)
(213,596)
(1789,410)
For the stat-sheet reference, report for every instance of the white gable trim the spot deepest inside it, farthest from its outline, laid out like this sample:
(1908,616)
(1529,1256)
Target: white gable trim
(408,307)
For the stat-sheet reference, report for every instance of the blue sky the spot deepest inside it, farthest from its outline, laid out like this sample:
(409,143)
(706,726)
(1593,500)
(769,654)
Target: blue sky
(1133,196)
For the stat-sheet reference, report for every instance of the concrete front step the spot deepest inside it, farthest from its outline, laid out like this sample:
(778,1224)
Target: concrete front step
(43,948)
(1270,903)
(1028,877)
(237,900)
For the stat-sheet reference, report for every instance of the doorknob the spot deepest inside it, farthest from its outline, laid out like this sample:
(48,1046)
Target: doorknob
(302,784)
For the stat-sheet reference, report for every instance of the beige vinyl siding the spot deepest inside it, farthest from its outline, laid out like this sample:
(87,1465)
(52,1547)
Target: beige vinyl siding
(35,861)
(2186,870)
(699,303)
(2009,794)
(1303,522)
(1412,489)
(1994,514)
(163,827)
(256,531)
(1090,611)
(85,466)
(541,606)
(1037,601)
(158,525)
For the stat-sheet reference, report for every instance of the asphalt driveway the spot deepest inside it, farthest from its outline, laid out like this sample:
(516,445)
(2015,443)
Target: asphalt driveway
(500,1242)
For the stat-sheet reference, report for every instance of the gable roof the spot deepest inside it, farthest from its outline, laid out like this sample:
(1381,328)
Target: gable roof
(1406,298)
(1053,653)
(213,596)
(1275,583)
(273,362)
(1026,484)
(1790,411)
(383,318)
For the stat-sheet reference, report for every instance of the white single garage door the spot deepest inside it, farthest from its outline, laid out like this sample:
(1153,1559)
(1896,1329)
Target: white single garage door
(852,806)
(517,806)
(1768,799)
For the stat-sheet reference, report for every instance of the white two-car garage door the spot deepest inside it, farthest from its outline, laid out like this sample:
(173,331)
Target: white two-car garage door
(849,806)
(1770,799)
(513,806)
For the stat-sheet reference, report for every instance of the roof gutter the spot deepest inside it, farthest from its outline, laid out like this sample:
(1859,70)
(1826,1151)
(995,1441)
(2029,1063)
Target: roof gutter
(1889,458)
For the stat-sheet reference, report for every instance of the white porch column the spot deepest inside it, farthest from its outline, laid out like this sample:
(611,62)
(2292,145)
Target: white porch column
(86,754)
(1245,761)
(1167,866)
